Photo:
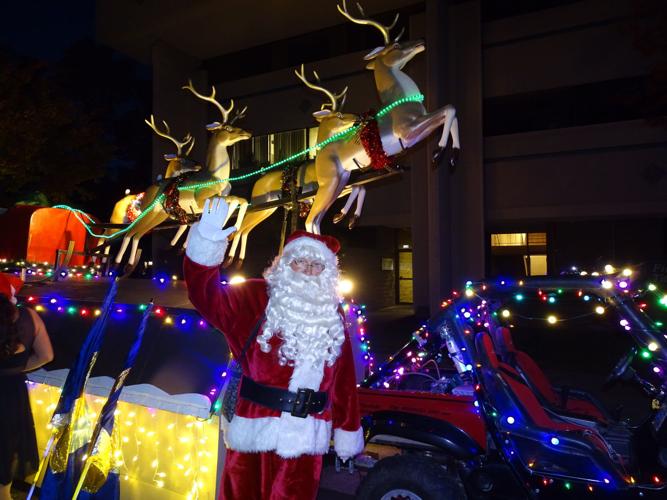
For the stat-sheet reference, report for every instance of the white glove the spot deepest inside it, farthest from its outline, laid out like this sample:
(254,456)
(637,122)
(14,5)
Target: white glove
(212,219)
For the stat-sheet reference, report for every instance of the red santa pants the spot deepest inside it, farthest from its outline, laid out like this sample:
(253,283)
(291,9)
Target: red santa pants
(267,476)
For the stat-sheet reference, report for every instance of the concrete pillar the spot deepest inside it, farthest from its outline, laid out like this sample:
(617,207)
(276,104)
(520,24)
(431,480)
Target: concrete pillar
(467,206)
(448,207)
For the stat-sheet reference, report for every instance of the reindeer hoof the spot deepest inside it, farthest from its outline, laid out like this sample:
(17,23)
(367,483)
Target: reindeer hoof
(127,270)
(338,217)
(436,157)
(238,264)
(228,262)
(353,221)
(454,159)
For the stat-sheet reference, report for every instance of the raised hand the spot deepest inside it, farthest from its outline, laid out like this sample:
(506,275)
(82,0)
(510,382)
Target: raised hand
(212,219)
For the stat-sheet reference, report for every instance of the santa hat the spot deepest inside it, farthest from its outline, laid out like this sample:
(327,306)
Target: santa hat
(10,285)
(326,246)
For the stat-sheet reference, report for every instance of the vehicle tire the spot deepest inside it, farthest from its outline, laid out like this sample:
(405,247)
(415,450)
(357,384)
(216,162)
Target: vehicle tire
(409,477)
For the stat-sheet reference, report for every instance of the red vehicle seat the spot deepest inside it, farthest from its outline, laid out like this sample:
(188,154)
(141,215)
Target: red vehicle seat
(527,399)
(523,393)
(538,379)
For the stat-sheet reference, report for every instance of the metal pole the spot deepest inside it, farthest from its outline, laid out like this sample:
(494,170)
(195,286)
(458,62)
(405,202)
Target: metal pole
(44,460)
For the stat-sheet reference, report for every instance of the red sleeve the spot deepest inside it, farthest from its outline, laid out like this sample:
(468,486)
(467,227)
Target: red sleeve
(232,309)
(345,402)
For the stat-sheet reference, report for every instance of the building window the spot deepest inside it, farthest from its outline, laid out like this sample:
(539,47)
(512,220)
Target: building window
(519,254)
(264,150)
(404,276)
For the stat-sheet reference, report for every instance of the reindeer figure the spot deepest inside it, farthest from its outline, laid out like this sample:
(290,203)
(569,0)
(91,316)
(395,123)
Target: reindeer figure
(176,164)
(405,125)
(409,123)
(214,179)
(268,187)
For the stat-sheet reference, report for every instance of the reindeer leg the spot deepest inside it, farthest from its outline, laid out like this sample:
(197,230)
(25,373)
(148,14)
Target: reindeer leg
(456,143)
(322,201)
(179,232)
(348,204)
(233,203)
(335,192)
(155,219)
(232,249)
(133,250)
(185,243)
(360,205)
(244,246)
(123,247)
(242,211)
(422,126)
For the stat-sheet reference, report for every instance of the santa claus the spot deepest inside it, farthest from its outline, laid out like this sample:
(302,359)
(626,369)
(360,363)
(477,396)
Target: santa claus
(298,372)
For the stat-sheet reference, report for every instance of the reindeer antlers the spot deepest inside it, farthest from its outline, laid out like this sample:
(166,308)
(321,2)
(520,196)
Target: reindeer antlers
(211,99)
(167,135)
(334,98)
(238,115)
(363,20)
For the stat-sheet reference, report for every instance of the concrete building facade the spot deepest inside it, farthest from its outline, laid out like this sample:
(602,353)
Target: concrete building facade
(560,162)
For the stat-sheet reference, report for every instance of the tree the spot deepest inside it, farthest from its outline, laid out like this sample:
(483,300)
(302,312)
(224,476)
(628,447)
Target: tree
(47,142)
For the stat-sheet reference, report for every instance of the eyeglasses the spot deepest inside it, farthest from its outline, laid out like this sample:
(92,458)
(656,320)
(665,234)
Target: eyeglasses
(303,264)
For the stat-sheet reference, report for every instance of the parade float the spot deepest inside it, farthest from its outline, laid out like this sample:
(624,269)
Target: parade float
(156,408)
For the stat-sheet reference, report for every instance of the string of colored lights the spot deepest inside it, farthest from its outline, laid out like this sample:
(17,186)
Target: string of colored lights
(185,320)
(141,432)
(80,215)
(415,354)
(356,318)
(419,355)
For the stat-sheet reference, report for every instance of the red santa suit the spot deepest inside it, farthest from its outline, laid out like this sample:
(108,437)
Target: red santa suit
(272,454)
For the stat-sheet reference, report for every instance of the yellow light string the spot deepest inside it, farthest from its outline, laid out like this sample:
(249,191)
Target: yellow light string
(155,443)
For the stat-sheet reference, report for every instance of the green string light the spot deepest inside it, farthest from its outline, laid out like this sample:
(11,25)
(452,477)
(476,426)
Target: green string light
(77,213)
(201,185)
(336,137)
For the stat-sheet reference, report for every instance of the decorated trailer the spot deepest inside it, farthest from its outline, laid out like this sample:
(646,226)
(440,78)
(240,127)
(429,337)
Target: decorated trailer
(165,441)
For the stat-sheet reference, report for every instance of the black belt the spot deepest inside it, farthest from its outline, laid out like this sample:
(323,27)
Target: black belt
(298,404)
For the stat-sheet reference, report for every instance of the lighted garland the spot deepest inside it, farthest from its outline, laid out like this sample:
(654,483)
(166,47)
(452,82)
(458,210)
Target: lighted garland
(176,317)
(167,450)
(193,187)
(356,313)
(44,270)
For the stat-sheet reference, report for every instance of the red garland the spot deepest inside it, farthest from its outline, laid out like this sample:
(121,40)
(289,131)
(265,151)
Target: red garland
(171,203)
(304,208)
(133,211)
(370,140)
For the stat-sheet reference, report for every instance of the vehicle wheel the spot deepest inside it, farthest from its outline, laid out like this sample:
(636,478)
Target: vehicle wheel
(409,477)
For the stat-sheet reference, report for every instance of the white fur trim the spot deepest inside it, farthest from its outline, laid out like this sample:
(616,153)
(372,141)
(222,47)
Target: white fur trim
(348,443)
(205,251)
(306,241)
(288,436)
(306,376)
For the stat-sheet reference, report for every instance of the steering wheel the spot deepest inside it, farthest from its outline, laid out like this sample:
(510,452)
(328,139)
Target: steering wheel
(621,367)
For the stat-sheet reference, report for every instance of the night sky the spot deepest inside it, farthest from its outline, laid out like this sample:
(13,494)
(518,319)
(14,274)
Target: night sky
(60,38)
(45,29)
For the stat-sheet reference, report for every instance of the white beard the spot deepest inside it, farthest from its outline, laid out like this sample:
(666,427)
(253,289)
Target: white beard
(303,312)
